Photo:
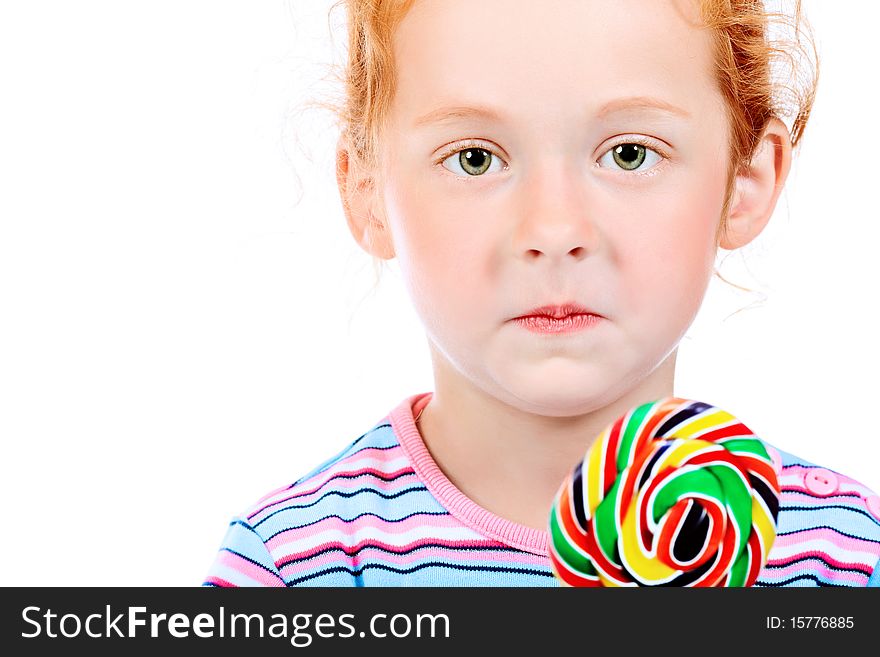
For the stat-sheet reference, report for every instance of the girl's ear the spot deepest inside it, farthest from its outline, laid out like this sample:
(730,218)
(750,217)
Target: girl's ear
(362,207)
(757,187)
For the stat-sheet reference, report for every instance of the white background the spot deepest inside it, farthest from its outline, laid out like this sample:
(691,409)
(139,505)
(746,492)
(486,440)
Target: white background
(186,323)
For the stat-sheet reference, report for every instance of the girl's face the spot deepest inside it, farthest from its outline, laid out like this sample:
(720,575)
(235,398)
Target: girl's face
(542,207)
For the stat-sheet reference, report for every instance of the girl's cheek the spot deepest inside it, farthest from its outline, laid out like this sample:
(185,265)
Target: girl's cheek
(669,261)
(441,228)
(431,243)
(410,217)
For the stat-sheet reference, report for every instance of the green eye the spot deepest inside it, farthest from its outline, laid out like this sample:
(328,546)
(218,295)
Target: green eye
(629,156)
(472,161)
(475,161)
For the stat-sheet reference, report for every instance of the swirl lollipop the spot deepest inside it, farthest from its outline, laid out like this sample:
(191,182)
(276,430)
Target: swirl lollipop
(674,493)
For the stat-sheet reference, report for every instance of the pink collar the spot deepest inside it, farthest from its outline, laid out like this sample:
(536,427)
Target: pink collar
(460,506)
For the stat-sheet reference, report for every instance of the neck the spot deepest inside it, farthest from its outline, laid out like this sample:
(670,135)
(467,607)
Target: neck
(530,454)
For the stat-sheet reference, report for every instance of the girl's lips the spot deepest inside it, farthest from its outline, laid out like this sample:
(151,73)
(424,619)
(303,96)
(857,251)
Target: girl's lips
(560,311)
(568,324)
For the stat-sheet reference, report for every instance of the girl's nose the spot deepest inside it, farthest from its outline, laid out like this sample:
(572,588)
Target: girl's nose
(553,215)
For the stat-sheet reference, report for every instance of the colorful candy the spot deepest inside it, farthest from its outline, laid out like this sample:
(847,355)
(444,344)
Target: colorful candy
(674,493)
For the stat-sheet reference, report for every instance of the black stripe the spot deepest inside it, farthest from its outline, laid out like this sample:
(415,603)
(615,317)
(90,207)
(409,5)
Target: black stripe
(349,476)
(799,577)
(830,506)
(577,491)
(800,491)
(388,479)
(384,425)
(818,557)
(690,576)
(360,515)
(767,494)
(378,475)
(681,416)
(417,489)
(693,533)
(834,529)
(256,563)
(462,548)
(246,525)
(649,466)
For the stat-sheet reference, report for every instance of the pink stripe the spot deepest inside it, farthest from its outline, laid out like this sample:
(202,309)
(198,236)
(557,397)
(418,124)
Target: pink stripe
(852,565)
(800,498)
(850,495)
(806,491)
(217,581)
(374,453)
(368,521)
(814,567)
(819,534)
(249,569)
(370,554)
(353,550)
(268,495)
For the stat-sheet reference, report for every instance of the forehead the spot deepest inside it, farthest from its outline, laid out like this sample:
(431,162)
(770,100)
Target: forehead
(554,56)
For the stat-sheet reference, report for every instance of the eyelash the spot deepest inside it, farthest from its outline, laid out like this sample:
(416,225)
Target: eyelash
(642,141)
(458,147)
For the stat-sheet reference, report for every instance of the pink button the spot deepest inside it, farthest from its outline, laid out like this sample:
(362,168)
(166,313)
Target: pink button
(873,503)
(820,481)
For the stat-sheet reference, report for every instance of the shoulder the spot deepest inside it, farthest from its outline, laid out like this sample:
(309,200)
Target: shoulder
(264,540)
(371,461)
(315,528)
(828,528)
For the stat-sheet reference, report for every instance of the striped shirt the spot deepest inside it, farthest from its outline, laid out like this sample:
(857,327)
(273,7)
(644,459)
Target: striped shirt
(382,513)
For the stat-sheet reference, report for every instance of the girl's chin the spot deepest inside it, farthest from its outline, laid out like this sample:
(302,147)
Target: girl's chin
(558,400)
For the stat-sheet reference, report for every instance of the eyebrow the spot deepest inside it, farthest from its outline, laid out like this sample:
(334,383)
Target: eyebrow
(447,114)
(641,102)
(458,112)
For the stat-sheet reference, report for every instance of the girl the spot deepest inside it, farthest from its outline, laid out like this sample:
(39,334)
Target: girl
(555,180)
